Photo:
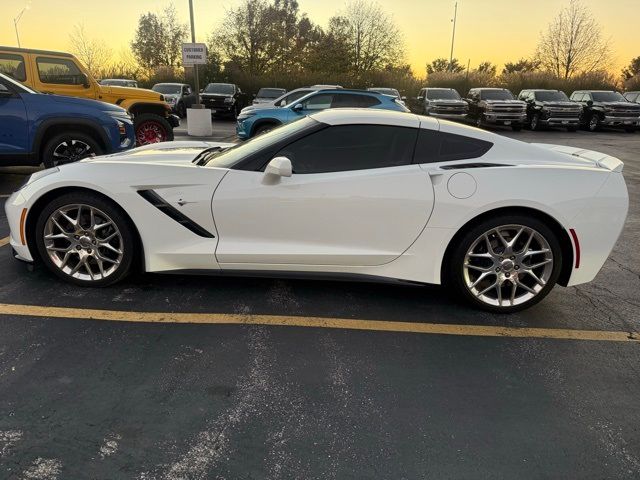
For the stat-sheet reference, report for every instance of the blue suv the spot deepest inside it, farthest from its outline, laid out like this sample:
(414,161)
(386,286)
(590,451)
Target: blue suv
(255,122)
(52,129)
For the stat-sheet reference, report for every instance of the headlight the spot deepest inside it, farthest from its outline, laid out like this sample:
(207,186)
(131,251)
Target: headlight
(121,116)
(171,100)
(243,116)
(229,100)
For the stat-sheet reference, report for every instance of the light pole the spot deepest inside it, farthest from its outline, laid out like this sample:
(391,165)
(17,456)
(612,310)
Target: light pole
(16,20)
(196,80)
(453,35)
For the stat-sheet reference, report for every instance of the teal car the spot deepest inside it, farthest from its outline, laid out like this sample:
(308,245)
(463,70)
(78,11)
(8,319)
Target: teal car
(255,122)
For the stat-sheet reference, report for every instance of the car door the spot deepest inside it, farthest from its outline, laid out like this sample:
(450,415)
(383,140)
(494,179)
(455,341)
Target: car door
(354,199)
(14,133)
(62,76)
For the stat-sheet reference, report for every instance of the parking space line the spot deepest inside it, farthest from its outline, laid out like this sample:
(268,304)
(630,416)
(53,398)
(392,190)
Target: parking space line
(317,322)
(4,241)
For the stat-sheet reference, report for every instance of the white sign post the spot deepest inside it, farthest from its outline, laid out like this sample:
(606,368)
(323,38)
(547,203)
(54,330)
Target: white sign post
(198,119)
(194,54)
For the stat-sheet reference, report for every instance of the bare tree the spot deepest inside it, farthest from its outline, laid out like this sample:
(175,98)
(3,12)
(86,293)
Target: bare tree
(373,39)
(94,54)
(573,43)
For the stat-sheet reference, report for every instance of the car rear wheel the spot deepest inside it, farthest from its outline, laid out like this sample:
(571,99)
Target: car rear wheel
(68,148)
(152,128)
(85,239)
(594,123)
(505,264)
(264,128)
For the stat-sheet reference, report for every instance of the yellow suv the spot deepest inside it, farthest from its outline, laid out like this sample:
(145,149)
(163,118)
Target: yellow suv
(63,74)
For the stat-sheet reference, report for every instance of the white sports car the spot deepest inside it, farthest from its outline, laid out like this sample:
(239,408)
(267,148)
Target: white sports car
(355,193)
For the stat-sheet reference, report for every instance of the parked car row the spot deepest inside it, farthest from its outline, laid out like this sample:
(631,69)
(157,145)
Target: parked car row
(534,108)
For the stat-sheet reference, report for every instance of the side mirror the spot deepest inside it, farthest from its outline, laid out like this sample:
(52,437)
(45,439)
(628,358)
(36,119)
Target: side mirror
(201,90)
(404,99)
(419,99)
(297,107)
(590,103)
(255,95)
(278,167)
(85,81)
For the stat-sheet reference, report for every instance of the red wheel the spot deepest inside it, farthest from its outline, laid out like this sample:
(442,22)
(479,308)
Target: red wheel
(152,129)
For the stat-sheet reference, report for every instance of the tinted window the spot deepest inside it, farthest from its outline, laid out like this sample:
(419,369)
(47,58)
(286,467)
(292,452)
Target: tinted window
(352,147)
(319,102)
(442,94)
(293,97)
(59,70)
(551,96)
(435,146)
(13,65)
(367,101)
(220,88)
(607,97)
(347,100)
(496,95)
(577,97)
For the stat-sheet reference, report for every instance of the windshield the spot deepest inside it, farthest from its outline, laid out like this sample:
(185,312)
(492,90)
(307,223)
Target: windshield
(551,96)
(270,92)
(442,94)
(229,157)
(221,88)
(496,95)
(386,91)
(607,97)
(18,85)
(167,89)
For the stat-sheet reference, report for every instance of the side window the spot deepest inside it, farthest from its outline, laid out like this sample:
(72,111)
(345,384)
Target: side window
(59,70)
(346,100)
(319,102)
(13,66)
(367,101)
(351,147)
(632,97)
(435,146)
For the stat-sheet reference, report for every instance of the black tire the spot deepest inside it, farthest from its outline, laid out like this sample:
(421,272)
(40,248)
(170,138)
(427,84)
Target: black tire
(160,125)
(516,128)
(534,123)
(56,145)
(593,125)
(264,128)
(572,129)
(182,110)
(479,122)
(116,215)
(453,271)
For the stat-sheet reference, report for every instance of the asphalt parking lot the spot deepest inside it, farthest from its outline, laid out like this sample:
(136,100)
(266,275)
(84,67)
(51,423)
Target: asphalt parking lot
(178,377)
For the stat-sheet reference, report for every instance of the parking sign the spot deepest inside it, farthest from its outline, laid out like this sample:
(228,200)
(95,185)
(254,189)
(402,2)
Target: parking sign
(194,54)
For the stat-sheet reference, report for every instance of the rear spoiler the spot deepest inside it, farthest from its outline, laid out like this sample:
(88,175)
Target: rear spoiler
(600,159)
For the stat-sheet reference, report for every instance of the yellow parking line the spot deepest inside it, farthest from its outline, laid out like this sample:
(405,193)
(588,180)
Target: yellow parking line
(317,322)
(4,241)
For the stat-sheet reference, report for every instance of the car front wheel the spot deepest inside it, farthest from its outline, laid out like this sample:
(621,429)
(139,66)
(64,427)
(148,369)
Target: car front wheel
(505,264)
(85,239)
(152,128)
(68,148)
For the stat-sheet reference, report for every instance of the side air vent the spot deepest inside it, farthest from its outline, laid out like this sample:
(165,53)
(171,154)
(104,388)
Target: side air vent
(157,201)
(473,165)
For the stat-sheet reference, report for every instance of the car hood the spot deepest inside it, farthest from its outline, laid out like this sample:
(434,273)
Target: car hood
(514,103)
(130,92)
(562,104)
(448,102)
(168,153)
(619,105)
(86,102)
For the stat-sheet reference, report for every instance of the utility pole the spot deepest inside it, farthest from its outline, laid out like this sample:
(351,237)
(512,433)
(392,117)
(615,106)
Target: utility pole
(16,20)
(196,80)
(453,35)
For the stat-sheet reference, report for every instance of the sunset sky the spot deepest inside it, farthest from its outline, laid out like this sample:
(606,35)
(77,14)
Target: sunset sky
(494,30)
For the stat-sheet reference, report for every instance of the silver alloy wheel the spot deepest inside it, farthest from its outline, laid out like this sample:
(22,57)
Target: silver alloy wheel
(593,123)
(83,242)
(534,122)
(71,151)
(508,265)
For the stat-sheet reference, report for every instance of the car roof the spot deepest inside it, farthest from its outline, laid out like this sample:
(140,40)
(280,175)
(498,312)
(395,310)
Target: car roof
(33,50)
(170,83)
(346,116)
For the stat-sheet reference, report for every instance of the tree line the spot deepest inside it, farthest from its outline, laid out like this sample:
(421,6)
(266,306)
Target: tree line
(273,43)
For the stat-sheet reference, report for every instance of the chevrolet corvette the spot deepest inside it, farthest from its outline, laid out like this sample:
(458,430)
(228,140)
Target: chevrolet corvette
(344,193)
